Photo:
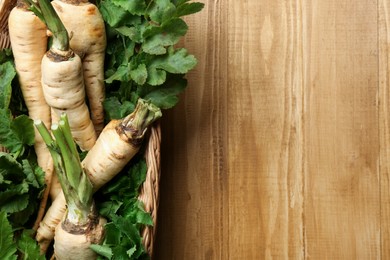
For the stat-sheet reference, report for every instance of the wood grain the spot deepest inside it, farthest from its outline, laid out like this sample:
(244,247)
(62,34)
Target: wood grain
(194,211)
(384,123)
(265,130)
(342,202)
(279,147)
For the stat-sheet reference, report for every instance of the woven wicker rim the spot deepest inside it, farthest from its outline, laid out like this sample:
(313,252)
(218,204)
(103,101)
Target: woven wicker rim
(149,193)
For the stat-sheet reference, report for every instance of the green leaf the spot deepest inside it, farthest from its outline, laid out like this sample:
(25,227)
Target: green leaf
(109,208)
(118,184)
(23,128)
(131,251)
(126,227)
(5,55)
(119,62)
(135,7)
(120,253)
(137,175)
(179,2)
(35,176)
(156,76)
(188,8)
(15,133)
(140,74)
(20,218)
(135,212)
(116,109)
(11,169)
(29,247)
(105,251)
(126,31)
(161,100)
(162,10)
(20,188)
(7,245)
(158,38)
(113,234)
(14,200)
(113,14)
(165,95)
(111,106)
(7,137)
(119,75)
(143,217)
(7,74)
(177,62)
(133,32)
(30,175)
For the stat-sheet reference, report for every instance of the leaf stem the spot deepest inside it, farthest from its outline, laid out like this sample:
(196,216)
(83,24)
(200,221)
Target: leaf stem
(65,127)
(144,114)
(72,170)
(74,182)
(54,151)
(55,25)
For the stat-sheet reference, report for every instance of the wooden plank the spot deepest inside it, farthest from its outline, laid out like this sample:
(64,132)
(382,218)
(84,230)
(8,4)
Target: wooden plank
(193,212)
(384,126)
(342,210)
(274,150)
(265,131)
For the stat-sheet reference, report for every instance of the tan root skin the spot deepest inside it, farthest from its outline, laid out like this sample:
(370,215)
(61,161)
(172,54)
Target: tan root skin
(53,216)
(69,246)
(88,40)
(29,43)
(55,188)
(116,152)
(63,88)
(106,159)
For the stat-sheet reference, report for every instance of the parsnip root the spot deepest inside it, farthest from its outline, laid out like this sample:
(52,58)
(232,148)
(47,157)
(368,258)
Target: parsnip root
(88,40)
(117,144)
(63,88)
(29,43)
(72,242)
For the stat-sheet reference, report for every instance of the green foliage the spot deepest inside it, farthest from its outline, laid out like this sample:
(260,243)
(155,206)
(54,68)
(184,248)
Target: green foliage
(21,179)
(5,55)
(141,62)
(118,202)
(7,245)
(7,74)
(17,247)
(165,95)
(117,109)
(28,247)
(16,133)
(21,184)
(142,58)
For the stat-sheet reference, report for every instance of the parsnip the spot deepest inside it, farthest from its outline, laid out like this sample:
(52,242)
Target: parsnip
(88,40)
(29,44)
(117,144)
(71,245)
(81,225)
(63,82)
(63,88)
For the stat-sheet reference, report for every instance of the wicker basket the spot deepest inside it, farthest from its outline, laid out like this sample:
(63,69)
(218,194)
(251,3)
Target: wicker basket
(149,193)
